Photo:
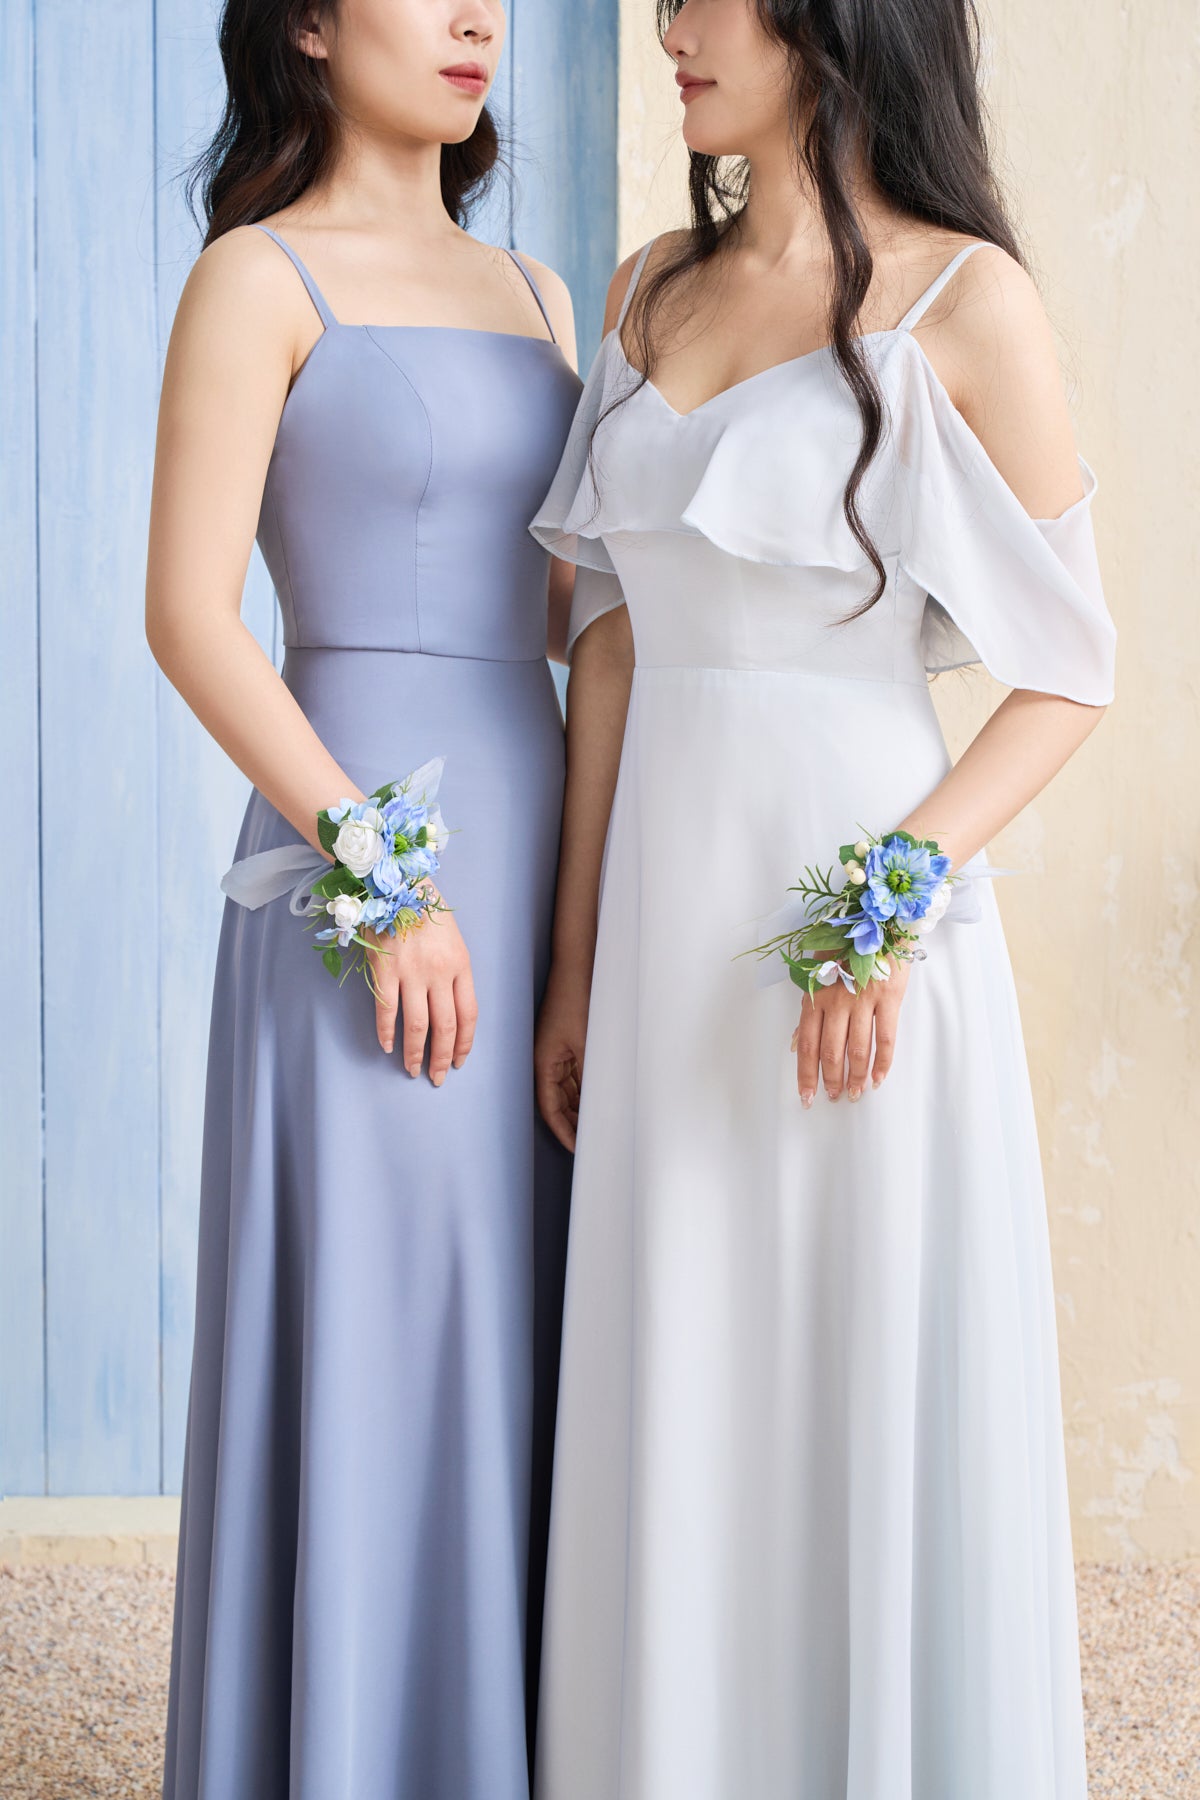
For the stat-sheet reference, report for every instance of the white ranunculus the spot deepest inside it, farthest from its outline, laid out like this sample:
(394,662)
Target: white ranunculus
(359,845)
(346,910)
(882,970)
(861,848)
(937,906)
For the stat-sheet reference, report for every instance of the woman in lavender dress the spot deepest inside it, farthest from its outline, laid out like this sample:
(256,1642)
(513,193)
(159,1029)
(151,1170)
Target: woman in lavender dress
(382,399)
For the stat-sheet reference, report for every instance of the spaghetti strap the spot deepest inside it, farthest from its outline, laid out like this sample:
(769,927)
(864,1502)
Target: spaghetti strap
(926,300)
(536,292)
(638,266)
(314,292)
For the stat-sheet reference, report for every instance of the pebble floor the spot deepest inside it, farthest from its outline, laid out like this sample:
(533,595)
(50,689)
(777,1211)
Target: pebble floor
(84,1655)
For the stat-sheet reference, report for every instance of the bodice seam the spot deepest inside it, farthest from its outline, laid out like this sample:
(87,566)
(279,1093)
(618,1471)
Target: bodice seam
(418,509)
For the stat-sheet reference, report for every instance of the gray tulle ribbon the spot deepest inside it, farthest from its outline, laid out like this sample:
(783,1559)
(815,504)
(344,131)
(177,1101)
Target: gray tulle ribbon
(964,909)
(292,868)
(270,873)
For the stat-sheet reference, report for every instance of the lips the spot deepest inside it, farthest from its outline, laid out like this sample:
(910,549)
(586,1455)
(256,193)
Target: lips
(469,78)
(691,85)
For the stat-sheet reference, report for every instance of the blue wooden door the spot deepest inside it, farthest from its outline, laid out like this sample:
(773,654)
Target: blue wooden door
(122,813)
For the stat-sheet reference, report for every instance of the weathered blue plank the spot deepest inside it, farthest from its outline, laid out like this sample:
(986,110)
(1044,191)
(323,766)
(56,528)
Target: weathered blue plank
(564,62)
(22,1373)
(201,793)
(96,390)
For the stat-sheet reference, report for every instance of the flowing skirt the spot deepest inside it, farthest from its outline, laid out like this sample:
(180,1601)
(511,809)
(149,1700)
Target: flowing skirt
(369,1435)
(810,1535)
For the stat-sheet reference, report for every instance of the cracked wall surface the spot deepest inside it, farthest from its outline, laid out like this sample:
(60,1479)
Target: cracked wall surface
(1095,113)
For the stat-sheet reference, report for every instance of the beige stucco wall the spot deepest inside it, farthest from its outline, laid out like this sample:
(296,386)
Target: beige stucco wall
(1095,109)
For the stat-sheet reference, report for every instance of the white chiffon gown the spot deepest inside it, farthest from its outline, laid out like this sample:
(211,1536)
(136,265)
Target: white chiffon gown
(810,1536)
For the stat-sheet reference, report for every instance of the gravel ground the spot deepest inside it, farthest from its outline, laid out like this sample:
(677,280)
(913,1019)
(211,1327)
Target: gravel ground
(84,1653)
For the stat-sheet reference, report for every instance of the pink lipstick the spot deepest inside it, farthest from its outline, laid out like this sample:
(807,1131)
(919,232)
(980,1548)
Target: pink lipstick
(469,78)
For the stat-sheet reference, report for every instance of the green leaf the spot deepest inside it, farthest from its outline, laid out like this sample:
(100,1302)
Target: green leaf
(327,831)
(822,941)
(860,967)
(847,853)
(905,836)
(333,960)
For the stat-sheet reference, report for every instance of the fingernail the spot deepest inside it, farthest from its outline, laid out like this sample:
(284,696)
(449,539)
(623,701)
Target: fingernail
(437,1080)
(878,1081)
(415,1072)
(836,1096)
(856,1093)
(389,1047)
(459,1061)
(806,1097)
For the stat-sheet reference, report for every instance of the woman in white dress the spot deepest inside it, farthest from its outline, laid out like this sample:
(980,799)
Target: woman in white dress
(810,1536)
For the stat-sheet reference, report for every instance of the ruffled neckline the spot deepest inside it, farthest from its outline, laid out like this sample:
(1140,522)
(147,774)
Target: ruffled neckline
(819,352)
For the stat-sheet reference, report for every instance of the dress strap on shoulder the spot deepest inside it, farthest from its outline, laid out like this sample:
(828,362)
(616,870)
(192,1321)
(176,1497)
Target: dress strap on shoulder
(926,300)
(314,292)
(636,276)
(535,291)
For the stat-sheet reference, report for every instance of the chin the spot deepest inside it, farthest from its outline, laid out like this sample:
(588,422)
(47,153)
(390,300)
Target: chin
(710,142)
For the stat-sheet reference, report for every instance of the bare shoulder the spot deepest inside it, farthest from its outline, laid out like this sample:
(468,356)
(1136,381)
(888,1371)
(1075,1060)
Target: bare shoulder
(989,323)
(244,278)
(557,297)
(661,248)
(991,340)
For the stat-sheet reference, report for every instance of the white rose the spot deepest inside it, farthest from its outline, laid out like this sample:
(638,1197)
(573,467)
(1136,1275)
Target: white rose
(359,845)
(937,906)
(861,849)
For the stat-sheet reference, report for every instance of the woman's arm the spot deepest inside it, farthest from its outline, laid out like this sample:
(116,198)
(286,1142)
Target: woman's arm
(597,702)
(990,342)
(993,346)
(243,328)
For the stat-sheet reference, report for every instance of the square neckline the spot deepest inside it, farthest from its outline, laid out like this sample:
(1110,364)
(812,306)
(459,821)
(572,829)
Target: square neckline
(330,322)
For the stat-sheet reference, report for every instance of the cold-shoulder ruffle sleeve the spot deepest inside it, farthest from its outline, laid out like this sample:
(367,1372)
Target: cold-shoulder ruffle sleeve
(568,522)
(1021,595)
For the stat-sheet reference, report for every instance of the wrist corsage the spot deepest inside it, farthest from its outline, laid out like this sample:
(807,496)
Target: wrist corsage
(893,892)
(386,851)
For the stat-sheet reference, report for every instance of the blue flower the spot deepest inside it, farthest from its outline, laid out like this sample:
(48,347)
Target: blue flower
(901,880)
(865,933)
(387,878)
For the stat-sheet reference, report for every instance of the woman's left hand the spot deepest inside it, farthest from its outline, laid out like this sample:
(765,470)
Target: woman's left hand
(838,1030)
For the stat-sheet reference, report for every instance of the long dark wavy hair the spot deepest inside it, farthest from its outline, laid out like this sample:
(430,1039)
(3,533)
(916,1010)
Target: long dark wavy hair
(280,129)
(889,84)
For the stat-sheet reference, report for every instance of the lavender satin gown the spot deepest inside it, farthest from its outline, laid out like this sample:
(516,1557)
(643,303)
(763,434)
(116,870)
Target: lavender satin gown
(369,1433)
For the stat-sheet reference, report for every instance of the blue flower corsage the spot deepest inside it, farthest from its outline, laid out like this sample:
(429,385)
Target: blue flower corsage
(893,892)
(386,850)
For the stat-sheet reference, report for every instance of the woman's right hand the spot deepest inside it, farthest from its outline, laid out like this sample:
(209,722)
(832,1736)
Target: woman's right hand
(426,977)
(558,1054)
